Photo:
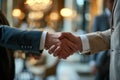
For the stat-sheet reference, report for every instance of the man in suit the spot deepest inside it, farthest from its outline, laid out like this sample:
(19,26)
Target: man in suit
(33,41)
(101,23)
(98,41)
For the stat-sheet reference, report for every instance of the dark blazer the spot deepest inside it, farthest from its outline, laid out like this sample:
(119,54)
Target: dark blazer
(101,22)
(14,39)
(18,39)
(7,68)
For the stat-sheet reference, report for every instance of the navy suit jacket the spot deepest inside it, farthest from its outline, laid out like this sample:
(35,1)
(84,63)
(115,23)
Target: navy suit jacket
(101,23)
(18,39)
(15,39)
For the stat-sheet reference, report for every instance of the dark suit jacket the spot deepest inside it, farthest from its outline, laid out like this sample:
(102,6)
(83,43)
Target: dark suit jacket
(7,68)
(14,39)
(19,39)
(101,22)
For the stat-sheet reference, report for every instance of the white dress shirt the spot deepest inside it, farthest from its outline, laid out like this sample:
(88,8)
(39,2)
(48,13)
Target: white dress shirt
(85,44)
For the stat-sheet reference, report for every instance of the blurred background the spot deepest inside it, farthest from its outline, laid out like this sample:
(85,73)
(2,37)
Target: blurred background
(75,16)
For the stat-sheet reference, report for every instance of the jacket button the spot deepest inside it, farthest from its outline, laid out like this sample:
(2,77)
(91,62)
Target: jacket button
(112,50)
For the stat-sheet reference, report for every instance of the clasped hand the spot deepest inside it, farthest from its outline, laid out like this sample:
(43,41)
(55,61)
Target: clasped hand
(62,45)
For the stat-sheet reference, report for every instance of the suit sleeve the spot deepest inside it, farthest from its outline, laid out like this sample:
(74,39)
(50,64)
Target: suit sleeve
(18,39)
(99,41)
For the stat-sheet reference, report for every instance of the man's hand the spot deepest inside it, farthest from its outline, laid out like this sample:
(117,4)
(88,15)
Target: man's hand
(52,39)
(61,48)
(74,39)
(64,49)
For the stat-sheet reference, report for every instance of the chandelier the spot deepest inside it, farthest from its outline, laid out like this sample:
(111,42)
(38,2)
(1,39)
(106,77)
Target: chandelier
(38,4)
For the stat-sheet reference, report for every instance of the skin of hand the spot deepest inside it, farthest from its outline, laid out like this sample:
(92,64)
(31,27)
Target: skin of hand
(60,48)
(74,39)
(63,49)
(52,39)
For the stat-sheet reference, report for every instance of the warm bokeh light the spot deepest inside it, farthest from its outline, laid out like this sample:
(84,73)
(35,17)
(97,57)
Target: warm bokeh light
(31,2)
(38,7)
(54,16)
(66,12)
(16,12)
(35,15)
(22,16)
(38,4)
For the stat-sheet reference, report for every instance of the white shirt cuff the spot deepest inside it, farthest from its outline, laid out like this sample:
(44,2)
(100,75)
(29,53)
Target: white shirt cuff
(42,41)
(85,44)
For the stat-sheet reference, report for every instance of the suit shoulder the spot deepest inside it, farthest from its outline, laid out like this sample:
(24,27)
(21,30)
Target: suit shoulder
(100,16)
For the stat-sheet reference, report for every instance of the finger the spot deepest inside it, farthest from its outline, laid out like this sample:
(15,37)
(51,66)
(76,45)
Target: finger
(63,55)
(73,46)
(52,48)
(67,47)
(70,47)
(63,34)
(56,51)
(63,51)
(66,50)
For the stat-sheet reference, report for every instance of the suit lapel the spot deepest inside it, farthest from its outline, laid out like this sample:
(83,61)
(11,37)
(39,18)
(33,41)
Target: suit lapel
(112,27)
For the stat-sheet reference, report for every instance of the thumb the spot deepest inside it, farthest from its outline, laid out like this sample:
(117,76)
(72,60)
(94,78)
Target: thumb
(64,35)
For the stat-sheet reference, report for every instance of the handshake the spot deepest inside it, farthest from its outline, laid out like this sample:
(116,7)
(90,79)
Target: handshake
(62,45)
